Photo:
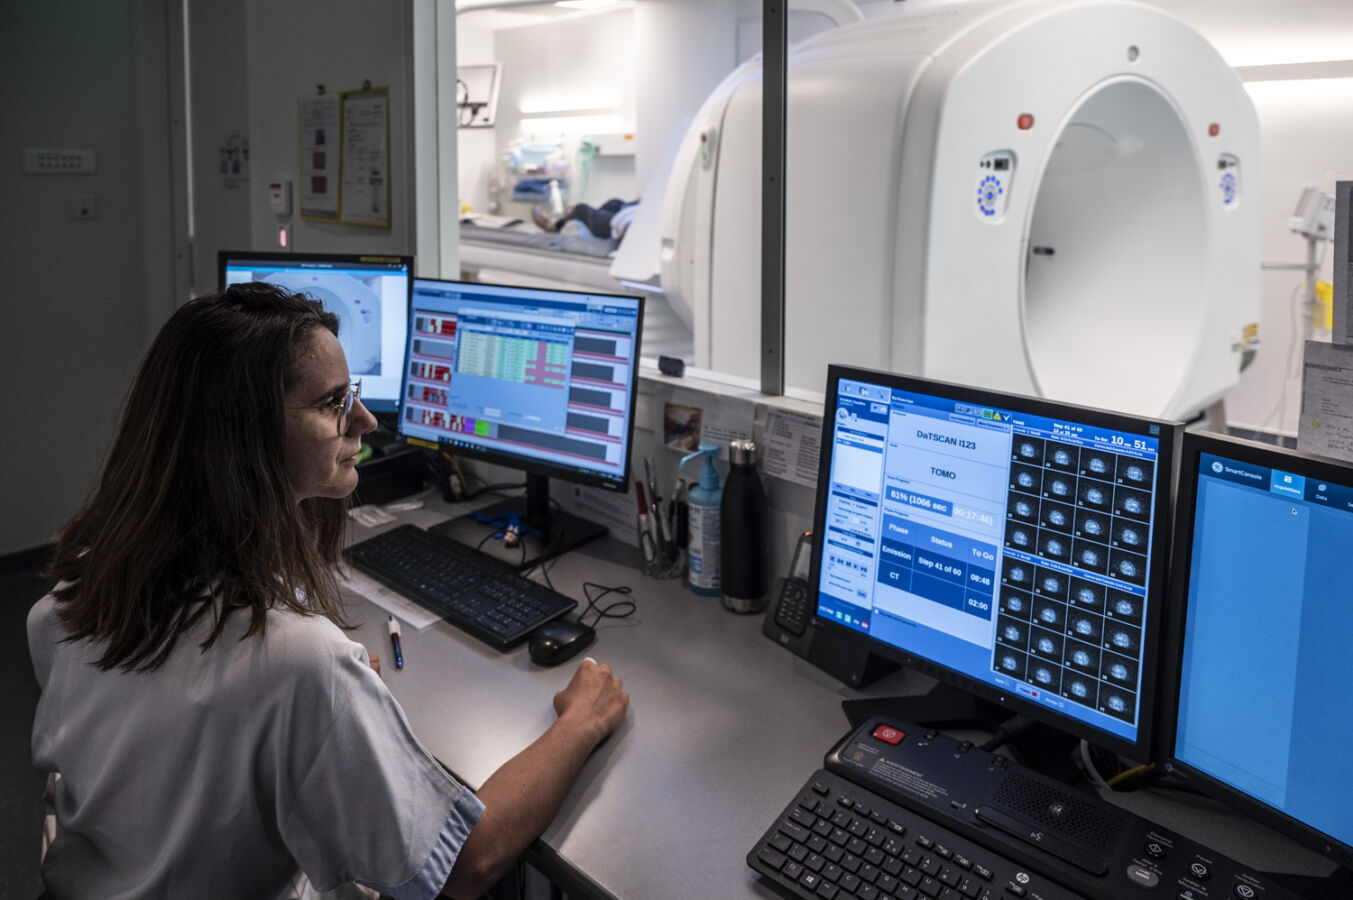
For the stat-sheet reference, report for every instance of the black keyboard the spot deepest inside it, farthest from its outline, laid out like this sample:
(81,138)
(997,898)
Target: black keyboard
(903,812)
(483,596)
(839,841)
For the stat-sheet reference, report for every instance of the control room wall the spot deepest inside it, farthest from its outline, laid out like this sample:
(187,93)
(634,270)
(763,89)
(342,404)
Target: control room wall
(74,315)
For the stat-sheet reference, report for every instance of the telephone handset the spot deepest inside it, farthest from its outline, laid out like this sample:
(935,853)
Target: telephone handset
(790,622)
(787,618)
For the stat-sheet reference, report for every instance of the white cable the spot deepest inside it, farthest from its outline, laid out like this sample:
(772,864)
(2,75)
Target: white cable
(1090,766)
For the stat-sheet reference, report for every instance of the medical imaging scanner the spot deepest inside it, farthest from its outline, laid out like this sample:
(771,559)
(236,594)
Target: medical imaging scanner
(1042,197)
(357,306)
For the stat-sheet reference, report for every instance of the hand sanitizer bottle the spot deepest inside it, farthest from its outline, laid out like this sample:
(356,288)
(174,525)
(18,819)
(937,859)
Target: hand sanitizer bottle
(704,502)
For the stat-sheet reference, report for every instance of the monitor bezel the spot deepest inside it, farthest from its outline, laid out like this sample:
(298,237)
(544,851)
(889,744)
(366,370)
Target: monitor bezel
(532,465)
(223,257)
(1169,436)
(1172,642)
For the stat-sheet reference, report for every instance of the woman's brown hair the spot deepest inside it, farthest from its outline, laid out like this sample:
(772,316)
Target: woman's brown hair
(193,500)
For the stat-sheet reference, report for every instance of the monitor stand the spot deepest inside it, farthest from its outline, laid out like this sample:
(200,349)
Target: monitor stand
(546,532)
(946,707)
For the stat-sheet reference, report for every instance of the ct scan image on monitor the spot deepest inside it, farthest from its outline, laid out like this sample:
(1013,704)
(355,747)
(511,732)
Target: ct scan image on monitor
(369,294)
(539,380)
(1258,711)
(1015,548)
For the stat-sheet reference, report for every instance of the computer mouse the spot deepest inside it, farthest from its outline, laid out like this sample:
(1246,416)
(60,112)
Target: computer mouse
(559,641)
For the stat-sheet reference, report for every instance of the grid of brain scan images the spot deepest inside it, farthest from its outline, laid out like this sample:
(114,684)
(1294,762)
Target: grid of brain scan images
(1073,581)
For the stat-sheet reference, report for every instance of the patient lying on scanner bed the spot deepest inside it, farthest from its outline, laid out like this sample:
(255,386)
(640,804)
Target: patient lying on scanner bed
(610,220)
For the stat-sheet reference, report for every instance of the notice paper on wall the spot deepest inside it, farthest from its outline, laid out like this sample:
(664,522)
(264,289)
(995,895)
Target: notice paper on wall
(319,157)
(1325,426)
(364,170)
(793,444)
(689,418)
(616,511)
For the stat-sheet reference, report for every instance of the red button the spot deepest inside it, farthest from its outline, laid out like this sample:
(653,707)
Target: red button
(889,735)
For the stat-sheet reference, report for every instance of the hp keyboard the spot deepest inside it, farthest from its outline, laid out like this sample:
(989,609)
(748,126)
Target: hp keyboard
(481,595)
(901,812)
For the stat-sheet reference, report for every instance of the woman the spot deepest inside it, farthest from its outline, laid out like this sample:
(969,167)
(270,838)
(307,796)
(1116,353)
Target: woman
(214,731)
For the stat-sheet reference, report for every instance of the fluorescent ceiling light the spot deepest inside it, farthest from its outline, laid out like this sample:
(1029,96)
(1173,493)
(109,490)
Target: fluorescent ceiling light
(585,4)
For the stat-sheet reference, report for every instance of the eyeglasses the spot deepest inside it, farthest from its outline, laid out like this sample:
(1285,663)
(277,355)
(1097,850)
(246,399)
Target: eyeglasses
(343,408)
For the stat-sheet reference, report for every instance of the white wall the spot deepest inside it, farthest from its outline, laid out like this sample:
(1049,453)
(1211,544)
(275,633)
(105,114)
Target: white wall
(74,315)
(293,47)
(477,146)
(582,70)
(219,104)
(1306,137)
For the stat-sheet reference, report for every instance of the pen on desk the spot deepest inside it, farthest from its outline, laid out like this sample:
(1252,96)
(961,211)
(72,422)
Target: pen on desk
(394,642)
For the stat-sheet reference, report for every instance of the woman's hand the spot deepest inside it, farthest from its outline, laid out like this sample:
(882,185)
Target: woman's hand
(594,697)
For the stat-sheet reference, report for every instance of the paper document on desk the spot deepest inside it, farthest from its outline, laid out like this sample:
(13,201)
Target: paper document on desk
(407,611)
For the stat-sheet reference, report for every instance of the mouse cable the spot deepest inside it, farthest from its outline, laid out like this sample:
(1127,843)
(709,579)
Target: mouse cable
(606,612)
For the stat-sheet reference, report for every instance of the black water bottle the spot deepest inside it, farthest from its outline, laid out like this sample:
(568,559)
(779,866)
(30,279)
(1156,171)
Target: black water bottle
(743,537)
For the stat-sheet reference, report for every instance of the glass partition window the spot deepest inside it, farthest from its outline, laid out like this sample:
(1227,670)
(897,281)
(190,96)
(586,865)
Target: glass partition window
(615,147)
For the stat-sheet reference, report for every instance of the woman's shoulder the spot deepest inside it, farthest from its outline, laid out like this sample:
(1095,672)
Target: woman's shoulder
(313,642)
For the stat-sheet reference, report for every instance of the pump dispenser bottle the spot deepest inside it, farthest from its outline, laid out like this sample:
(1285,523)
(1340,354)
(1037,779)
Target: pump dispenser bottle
(743,533)
(704,503)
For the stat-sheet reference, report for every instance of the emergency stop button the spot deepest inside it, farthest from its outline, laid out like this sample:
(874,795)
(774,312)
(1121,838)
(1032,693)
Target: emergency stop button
(889,735)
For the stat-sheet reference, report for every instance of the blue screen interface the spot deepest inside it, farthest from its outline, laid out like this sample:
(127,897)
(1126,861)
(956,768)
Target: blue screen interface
(545,376)
(1011,548)
(1269,619)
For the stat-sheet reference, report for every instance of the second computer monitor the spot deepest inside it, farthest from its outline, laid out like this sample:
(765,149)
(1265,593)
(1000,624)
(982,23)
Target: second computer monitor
(368,293)
(1014,547)
(1257,707)
(540,380)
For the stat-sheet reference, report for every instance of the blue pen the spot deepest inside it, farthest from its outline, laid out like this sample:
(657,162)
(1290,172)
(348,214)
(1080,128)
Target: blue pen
(394,641)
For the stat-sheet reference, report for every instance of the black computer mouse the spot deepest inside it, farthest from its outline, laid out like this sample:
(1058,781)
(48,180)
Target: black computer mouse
(559,641)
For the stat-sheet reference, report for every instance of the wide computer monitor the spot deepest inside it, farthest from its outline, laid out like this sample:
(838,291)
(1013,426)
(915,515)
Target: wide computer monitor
(368,293)
(1014,548)
(538,380)
(1258,709)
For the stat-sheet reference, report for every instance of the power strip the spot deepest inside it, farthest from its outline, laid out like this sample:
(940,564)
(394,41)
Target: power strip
(59,162)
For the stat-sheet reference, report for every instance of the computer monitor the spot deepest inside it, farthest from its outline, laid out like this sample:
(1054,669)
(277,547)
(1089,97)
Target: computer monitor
(369,294)
(539,380)
(1257,708)
(1013,548)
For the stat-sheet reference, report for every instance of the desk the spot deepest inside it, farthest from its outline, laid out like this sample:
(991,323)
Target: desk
(723,727)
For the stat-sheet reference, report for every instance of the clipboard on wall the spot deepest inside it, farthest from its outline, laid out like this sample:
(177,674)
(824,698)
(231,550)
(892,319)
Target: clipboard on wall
(364,154)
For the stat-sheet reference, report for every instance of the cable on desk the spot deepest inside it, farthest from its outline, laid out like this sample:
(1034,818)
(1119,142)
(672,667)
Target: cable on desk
(547,557)
(605,612)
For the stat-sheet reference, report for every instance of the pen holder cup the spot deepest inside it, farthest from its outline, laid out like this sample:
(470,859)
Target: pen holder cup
(657,558)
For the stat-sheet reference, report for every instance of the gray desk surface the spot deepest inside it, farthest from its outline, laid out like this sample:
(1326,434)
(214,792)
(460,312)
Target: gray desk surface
(723,728)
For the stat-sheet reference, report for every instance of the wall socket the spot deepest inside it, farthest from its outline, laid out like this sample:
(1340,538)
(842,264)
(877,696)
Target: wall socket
(59,162)
(84,206)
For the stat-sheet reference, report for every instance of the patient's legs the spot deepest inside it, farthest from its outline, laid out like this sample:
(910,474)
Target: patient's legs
(597,219)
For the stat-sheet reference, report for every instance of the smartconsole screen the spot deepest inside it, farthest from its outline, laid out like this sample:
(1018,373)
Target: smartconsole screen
(1013,549)
(370,296)
(1264,701)
(541,376)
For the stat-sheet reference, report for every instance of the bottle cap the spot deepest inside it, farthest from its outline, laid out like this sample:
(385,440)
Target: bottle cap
(742,453)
